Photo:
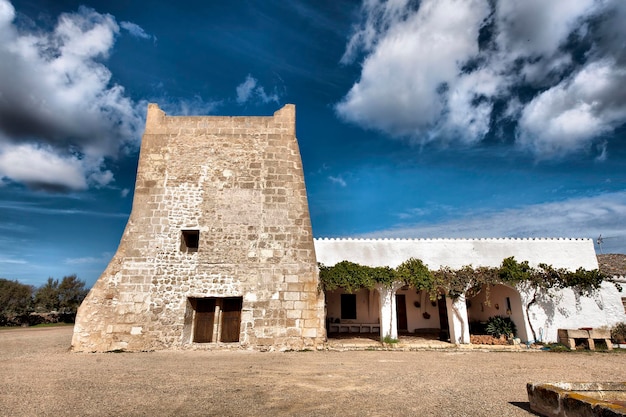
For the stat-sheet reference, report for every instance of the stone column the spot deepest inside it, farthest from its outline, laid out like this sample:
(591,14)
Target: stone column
(457,320)
(388,316)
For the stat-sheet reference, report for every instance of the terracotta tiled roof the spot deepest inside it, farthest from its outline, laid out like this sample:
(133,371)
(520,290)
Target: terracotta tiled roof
(612,263)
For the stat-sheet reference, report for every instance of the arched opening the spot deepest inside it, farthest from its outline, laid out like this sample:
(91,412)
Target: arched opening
(495,300)
(420,316)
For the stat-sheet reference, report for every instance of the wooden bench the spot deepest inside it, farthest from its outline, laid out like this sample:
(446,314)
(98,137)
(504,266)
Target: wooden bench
(568,337)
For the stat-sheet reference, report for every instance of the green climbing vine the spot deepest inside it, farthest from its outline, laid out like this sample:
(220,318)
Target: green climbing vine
(454,282)
(352,276)
(535,282)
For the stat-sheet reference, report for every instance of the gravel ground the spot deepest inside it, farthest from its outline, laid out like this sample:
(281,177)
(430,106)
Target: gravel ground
(40,377)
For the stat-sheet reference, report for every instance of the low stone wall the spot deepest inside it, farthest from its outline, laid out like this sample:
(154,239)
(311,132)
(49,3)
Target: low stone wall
(589,336)
(564,399)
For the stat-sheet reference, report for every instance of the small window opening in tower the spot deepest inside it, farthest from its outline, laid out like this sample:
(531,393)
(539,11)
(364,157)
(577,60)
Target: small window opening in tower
(190,240)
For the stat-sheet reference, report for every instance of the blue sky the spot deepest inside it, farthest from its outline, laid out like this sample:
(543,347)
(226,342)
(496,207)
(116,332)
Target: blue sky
(432,118)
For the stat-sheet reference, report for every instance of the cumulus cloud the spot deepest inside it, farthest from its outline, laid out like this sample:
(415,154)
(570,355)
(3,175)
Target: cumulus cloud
(250,90)
(568,115)
(52,170)
(413,61)
(451,70)
(61,117)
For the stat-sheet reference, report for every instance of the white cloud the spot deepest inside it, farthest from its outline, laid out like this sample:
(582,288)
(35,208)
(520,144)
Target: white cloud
(136,30)
(58,106)
(102,259)
(124,192)
(338,180)
(433,70)
(195,106)
(4,260)
(245,89)
(413,63)
(249,90)
(41,167)
(574,218)
(24,207)
(567,116)
(537,28)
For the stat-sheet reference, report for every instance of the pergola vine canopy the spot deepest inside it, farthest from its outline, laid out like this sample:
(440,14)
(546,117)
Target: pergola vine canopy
(352,276)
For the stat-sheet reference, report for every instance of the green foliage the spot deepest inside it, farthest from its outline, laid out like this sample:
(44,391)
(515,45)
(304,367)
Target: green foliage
(414,273)
(498,326)
(19,306)
(583,281)
(352,277)
(347,275)
(383,275)
(72,292)
(557,347)
(15,299)
(512,272)
(64,297)
(447,281)
(47,296)
(618,332)
(389,340)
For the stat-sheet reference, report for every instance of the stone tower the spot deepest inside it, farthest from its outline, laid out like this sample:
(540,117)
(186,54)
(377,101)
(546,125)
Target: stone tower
(218,247)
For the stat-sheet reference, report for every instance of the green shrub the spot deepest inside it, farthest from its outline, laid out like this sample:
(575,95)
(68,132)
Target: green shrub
(618,332)
(557,347)
(389,340)
(499,325)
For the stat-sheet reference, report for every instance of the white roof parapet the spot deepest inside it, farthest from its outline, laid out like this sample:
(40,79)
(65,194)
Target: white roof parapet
(570,253)
(469,239)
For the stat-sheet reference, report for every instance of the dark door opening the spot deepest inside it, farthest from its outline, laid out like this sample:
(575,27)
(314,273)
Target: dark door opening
(348,306)
(444,333)
(401,312)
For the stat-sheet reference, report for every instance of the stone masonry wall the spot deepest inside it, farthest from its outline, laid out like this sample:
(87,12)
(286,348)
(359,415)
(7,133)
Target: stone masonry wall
(239,181)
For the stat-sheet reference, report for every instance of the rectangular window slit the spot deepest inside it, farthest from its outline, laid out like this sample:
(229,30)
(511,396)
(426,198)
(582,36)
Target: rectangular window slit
(190,240)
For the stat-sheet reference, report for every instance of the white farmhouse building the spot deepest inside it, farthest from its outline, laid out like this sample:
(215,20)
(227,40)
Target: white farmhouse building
(402,309)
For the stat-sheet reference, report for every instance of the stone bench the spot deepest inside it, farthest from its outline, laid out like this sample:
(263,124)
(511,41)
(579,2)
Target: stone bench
(568,337)
(354,328)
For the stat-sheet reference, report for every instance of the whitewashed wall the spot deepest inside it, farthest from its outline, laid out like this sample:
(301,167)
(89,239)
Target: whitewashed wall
(564,310)
(367,306)
(456,253)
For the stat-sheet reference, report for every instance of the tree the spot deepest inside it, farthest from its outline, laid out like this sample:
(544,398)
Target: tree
(72,292)
(64,297)
(47,296)
(15,299)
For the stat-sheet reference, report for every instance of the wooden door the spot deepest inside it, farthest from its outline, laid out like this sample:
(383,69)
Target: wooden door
(401,312)
(231,319)
(205,316)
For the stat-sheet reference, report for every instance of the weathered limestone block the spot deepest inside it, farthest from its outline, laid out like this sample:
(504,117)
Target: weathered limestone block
(568,337)
(218,247)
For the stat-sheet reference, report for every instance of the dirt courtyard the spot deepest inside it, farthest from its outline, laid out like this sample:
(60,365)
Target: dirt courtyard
(40,377)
